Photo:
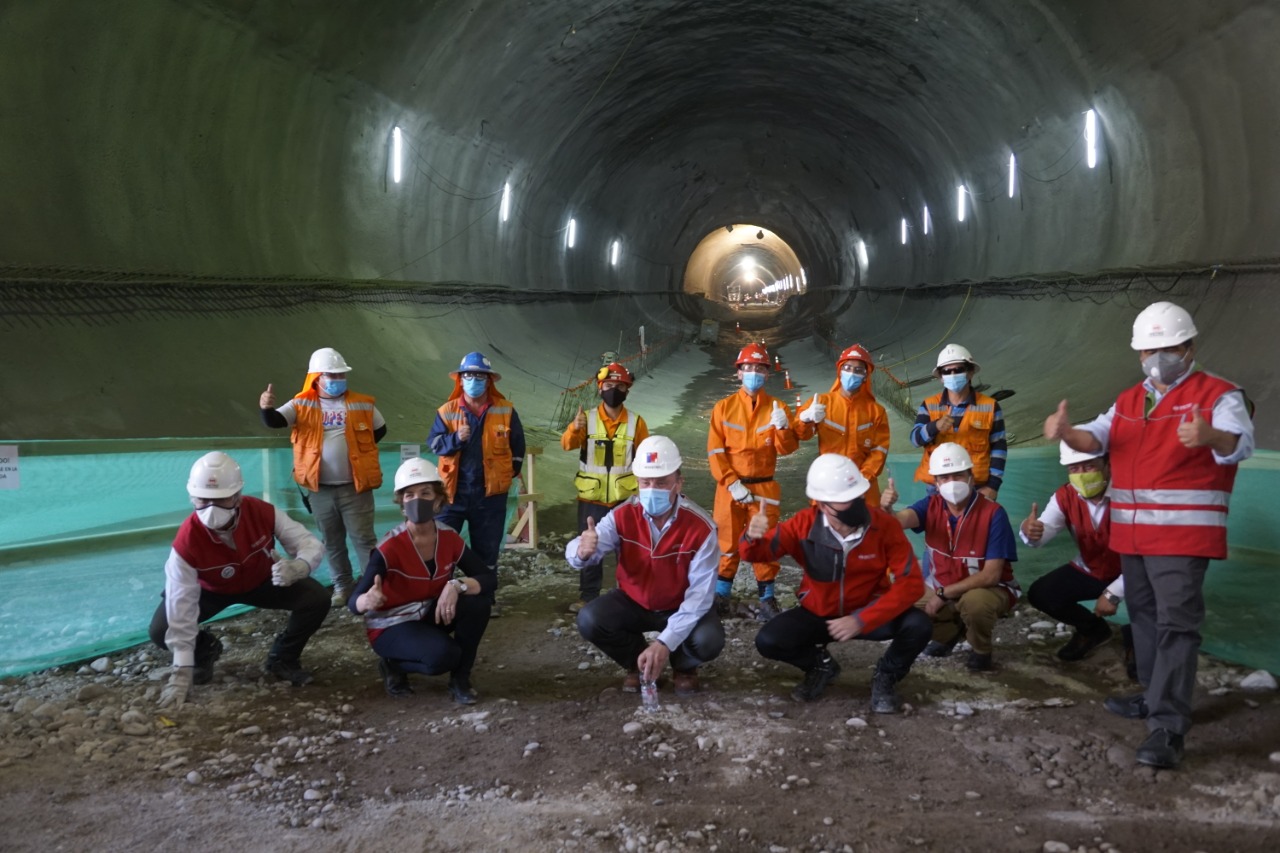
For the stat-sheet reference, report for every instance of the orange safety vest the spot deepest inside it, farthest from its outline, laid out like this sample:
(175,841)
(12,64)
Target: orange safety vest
(496,443)
(974,434)
(308,440)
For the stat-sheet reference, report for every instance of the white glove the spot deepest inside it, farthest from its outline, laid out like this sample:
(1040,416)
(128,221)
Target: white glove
(816,413)
(740,493)
(175,692)
(779,417)
(289,572)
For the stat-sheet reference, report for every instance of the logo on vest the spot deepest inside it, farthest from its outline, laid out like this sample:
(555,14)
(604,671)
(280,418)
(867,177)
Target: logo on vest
(228,572)
(1184,407)
(867,556)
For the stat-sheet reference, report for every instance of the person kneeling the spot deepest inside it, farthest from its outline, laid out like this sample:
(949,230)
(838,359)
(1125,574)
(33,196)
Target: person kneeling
(412,597)
(861,582)
(667,557)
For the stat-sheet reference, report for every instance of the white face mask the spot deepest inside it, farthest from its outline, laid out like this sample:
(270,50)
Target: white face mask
(216,517)
(956,492)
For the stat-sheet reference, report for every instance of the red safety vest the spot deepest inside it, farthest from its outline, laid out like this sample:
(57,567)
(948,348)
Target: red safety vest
(408,579)
(655,575)
(226,570)
(1096,557)
(956,554)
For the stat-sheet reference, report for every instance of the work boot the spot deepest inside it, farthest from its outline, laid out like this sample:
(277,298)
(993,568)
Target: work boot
(395,679)
(461,690)
(686,682)
(341,592)
(936,649)
(1130,707)
(884,699)
(1162,749)
(768,609)
(577,605)
(817,678)
(979,662)
(631,682)
(288,670)
(724,607)
(1083,642)
(208,650)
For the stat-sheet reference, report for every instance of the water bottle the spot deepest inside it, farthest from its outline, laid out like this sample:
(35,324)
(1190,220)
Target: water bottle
(649,695)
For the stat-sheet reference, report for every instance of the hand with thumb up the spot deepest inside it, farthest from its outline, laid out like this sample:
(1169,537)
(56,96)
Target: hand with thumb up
(1032,526)
(588,541)
(759,524)
(889,496)
(267,399)
(374,599)
(816,413)
(580,420)
(1195,431)
(779,416)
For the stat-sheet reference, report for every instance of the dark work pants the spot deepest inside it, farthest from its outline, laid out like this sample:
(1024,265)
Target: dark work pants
(1165,596)
(307,602)
(615,624)
(486,519)
(591,579)
(431,649)
(1058,593)
(798,637)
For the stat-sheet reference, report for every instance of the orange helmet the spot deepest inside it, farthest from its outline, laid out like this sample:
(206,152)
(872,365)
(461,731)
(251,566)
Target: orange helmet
(616,372)
(753,354)
(857,352)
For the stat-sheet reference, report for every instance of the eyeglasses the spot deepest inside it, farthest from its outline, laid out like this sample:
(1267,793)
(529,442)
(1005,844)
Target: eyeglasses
(851,368)
(473,375)
(952,371)
(754,368)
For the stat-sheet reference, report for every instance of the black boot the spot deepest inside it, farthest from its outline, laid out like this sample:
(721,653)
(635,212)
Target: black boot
(817,678)
(394,679)
(208,650)
(884,698)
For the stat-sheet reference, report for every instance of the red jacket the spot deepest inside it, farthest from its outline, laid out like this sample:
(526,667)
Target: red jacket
(1099,560)
(231,570)
(655,575)
(407,578)
(879,580)
(957,554)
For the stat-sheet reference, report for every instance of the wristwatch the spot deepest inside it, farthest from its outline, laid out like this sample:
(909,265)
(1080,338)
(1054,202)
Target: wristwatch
(941,593)
(461,585)
(1112,597)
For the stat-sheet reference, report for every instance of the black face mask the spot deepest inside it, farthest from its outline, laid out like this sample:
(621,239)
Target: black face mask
(854,515)
(420,510)
(614,397)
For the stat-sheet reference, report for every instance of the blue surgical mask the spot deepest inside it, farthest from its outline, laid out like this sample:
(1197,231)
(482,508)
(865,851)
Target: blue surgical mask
(851,381)
(475,387)
(955,381)
(655,502)
(753,382)
(333,387)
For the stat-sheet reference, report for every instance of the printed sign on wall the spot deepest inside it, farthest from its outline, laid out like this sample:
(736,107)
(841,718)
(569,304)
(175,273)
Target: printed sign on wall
(410,451)
(8,466)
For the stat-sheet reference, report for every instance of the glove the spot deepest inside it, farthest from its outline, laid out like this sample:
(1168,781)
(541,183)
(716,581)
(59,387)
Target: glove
(175,692)
(289,572)
(816,413)
(740,493)
(779,417)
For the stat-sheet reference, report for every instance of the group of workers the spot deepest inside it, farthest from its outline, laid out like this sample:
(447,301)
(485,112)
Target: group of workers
(1146,500)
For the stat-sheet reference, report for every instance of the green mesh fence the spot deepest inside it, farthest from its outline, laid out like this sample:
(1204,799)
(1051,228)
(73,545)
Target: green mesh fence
(84,537)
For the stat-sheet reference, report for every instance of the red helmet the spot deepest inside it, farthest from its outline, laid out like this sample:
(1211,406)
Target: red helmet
(753,354)
(615,372)
(857,352)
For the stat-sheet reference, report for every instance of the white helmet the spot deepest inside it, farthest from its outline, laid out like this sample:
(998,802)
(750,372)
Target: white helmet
(327,360)
(656,456)
(834,478)
(949,458)
(1068,456)
(215,475)
(414,471)
(952,353)
(1160,325)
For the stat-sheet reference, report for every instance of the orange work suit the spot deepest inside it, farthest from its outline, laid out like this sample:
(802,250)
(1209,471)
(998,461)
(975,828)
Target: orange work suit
(743,445)
(856,426)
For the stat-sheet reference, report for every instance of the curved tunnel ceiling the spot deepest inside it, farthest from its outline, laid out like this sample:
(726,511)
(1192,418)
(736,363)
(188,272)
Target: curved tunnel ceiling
(224,138)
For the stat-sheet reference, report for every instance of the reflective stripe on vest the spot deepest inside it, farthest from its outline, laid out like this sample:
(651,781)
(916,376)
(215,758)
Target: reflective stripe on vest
(969,434)
(601,478)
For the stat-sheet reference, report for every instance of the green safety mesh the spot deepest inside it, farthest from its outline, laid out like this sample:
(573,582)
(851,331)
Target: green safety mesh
(84,539)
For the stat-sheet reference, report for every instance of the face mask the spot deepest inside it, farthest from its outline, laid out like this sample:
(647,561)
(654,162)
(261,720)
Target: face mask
(613,397)
(655,502)
(753,382)
(1089,484)
(216,517)
(956,492)
(419,510)
(475,387)
(854,515)
(955,381)
(333,387)
(1164,367)
(851,382)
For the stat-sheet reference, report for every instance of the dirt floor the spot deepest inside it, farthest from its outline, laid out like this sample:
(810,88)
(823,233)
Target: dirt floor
(555,757)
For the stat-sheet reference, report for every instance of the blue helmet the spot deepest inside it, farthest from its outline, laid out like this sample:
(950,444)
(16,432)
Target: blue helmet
(476,362)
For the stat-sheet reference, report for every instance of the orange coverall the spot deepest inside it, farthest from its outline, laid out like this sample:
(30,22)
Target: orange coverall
(856,426)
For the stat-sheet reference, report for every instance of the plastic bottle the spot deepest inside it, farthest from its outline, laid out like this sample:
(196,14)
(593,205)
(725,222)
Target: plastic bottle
(649,695)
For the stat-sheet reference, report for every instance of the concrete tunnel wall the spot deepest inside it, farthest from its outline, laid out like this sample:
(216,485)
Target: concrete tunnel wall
(226,140)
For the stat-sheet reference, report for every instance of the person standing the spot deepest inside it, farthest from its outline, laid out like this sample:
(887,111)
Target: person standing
(849,420)
(1174,441)
(335,458)
(606,440)
(224,554)
(960,415)
(749,429)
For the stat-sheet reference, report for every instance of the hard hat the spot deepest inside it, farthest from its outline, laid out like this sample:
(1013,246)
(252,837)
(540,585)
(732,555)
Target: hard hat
(834,479)
(476,362)
(414,471)
(1068,456)
(327,360)
(615,372)
(753,354)
(1160,325)
(857,352)
(215,475)
(949,458)
(656,456)
(952,353)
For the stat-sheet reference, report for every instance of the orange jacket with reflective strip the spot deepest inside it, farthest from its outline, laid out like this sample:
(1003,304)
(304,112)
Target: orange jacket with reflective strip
(856,427)
(742,441)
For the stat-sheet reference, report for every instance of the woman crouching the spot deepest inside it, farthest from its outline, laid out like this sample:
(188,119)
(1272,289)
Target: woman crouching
(419,613)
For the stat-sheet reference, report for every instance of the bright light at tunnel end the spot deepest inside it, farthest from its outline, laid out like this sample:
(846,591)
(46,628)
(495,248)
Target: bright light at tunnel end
(1091,137)
(397,150)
